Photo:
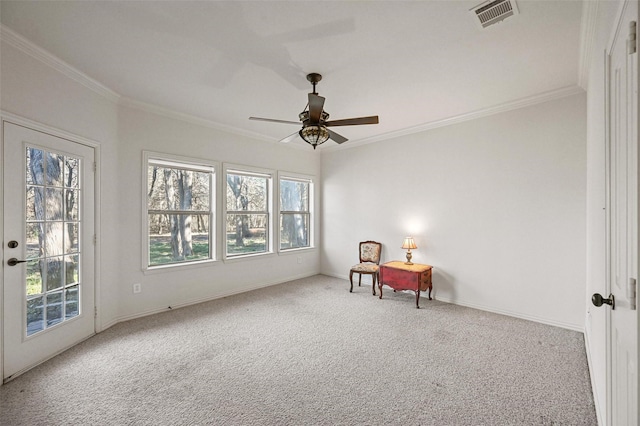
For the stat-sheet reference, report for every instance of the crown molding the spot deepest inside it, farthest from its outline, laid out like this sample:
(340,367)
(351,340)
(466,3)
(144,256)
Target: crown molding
(589,16)
(588,27)
(485,112)
(198,121)
(14,39)
(19,42)
(188,118)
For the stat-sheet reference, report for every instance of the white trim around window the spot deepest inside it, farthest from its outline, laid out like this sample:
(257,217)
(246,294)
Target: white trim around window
(251,209)
(307,212)
(202,253)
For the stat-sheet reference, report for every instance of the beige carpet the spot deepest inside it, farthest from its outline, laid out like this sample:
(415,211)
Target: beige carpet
(308,352)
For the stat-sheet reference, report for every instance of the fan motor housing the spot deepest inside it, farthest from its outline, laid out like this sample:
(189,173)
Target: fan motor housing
(304,117)
(314,77)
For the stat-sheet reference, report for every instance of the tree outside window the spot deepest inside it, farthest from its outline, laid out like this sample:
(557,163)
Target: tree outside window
(247,221)
(53,192)
(295,215)
(179,212)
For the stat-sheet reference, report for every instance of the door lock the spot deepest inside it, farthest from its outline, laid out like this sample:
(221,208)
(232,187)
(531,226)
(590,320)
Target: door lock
(13,261)
(598,300)
(12,244)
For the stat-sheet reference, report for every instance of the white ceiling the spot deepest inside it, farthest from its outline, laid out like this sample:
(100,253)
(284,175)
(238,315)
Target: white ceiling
(413,63)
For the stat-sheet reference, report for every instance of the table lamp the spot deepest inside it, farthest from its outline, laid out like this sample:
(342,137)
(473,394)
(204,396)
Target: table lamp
(409,244)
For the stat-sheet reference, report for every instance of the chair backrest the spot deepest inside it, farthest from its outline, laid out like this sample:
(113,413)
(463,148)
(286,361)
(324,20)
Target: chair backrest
(370,251)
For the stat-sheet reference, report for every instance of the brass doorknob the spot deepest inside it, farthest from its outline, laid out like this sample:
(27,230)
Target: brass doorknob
(598,300)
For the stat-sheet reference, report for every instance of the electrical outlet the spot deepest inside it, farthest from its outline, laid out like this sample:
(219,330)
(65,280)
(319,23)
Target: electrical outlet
(137,288)
(299,260)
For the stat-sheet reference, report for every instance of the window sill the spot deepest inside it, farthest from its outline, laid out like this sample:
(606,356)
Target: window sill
(295,251)
(179,266)
(243,257)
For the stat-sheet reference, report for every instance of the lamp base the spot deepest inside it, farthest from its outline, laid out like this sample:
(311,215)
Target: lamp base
(409,256)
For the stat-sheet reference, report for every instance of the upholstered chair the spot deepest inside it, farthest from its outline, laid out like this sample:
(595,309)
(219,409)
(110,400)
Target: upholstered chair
(369,261)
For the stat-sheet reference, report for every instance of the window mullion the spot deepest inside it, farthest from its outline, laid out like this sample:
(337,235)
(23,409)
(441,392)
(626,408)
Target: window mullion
(247,212)
(178,211)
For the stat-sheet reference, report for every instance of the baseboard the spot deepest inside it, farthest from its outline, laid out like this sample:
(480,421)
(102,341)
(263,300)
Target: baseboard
(195,301)
(594,389)
(561,324)
(344,277)
(341,276)
(108,325)
(569,326)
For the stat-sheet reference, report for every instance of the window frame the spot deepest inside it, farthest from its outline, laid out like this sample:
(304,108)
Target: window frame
(283,175)
(269,174)
(150,158)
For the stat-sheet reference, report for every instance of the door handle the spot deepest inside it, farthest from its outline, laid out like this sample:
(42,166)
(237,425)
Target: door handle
(598,300)
(13,261)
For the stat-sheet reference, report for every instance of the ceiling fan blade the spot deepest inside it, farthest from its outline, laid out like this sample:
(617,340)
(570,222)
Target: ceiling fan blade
(290,138)
(353,121)
(315,108)
(336,137)
(273,120)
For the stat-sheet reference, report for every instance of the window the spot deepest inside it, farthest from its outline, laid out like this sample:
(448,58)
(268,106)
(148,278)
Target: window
(247,224)
(295,213)
(54,189)
(180,211)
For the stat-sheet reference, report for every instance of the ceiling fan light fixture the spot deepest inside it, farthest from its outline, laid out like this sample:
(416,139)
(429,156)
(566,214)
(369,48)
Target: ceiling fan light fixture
(314,135)
(315,119)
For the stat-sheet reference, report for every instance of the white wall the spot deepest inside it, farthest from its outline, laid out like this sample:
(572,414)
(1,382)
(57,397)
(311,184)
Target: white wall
(496,205)
(35,91)
(140,130)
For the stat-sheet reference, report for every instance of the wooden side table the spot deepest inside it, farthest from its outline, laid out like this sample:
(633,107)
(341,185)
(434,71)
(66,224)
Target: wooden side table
(399,276)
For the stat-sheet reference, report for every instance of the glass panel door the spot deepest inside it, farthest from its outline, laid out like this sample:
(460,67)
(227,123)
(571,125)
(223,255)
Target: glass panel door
(49,252)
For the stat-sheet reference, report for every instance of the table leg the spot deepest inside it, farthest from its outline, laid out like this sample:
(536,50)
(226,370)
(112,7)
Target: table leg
(430,287)
(418,299)
(380,287)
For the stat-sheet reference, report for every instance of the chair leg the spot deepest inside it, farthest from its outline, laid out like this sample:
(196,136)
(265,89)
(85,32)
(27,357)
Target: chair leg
(351,281)
(373,284)
(359,280)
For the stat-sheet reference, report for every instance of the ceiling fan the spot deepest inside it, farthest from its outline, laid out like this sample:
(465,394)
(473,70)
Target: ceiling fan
(314,120)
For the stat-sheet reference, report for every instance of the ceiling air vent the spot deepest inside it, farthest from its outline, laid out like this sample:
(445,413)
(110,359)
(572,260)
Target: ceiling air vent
(493,11)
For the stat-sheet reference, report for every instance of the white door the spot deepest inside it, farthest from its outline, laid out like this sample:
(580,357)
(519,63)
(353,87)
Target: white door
(48,263)
(622,218)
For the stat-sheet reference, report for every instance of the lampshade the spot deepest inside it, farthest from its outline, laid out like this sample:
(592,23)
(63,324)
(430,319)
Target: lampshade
(408,243)
(314,135)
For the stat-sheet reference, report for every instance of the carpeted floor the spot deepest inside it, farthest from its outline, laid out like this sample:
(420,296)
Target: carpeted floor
(308,352)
